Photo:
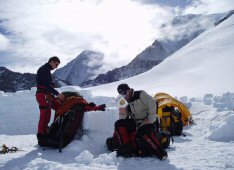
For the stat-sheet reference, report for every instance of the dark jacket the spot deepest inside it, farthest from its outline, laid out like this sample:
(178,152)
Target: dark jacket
(44,78)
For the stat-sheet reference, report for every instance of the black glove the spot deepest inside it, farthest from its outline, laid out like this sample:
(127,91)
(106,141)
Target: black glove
(92,104)
(102,107)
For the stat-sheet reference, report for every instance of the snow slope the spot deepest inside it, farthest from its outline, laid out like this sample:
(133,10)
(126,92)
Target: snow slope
(200,74)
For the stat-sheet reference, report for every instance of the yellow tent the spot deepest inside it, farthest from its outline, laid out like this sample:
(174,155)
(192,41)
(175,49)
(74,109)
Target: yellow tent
(165,99)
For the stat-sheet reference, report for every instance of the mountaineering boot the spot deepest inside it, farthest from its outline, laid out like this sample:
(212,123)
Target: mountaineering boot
(111,144)
(44,140)
(41,139)
(126,151)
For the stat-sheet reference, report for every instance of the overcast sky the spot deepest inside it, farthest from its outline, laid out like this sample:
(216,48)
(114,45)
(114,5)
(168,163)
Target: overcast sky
(31,31)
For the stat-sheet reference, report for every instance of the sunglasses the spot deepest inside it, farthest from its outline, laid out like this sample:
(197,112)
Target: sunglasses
(56,64)
(123,92)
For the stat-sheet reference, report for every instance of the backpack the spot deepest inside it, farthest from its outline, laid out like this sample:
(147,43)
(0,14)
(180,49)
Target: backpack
(171,120)
(143,143)
(66,126)
(67,122)
(165,99)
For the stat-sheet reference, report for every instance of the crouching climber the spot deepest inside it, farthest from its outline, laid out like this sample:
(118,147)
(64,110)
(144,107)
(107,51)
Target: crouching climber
(135,132)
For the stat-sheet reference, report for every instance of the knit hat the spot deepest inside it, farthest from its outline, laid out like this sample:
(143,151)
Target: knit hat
(123,87)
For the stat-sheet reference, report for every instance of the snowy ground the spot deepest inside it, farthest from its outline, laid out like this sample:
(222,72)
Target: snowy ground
(208,145)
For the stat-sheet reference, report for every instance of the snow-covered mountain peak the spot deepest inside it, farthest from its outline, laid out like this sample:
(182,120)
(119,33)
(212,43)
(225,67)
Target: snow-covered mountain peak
(155,43)
(88,54)
(155,52)
(85,66)
(88,58)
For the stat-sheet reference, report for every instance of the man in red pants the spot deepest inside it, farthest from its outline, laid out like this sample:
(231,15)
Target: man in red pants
(45,95)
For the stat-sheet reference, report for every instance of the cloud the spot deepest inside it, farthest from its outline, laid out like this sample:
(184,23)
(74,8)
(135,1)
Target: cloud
(210,6)
(4,42)
(40,29)
(173,3)
(120,29)
(187,27)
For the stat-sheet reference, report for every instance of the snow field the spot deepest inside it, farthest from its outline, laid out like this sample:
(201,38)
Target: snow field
(208,144)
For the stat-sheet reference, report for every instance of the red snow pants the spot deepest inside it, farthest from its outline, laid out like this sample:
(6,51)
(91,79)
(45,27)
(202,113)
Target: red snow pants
(46,102)
(125,133)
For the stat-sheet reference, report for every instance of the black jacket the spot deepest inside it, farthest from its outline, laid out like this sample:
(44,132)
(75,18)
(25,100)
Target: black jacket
(44,78)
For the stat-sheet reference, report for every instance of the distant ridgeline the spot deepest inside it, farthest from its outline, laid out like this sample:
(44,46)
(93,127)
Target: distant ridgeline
(13,81)
(230,13)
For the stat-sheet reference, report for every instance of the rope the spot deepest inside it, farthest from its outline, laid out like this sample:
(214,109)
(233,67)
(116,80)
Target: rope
(6,149)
